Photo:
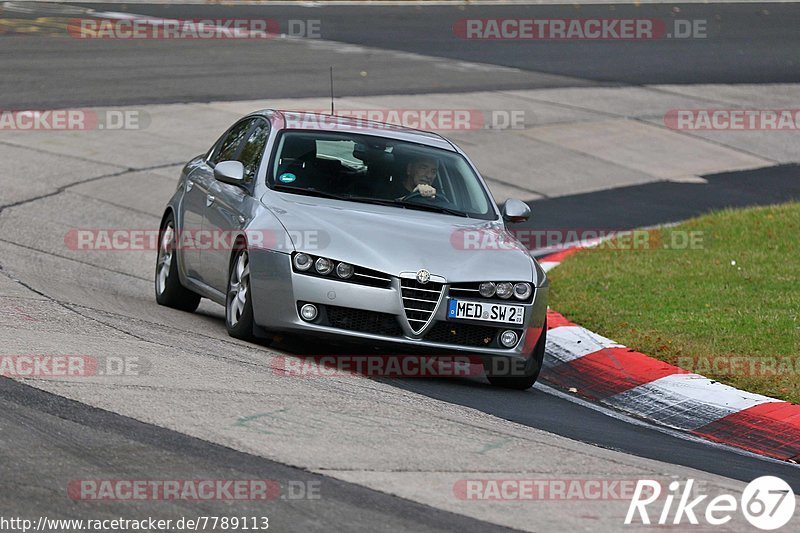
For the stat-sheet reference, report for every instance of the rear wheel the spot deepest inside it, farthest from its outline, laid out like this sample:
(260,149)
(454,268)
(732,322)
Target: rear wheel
(169,291)
(531,371)
(239,300)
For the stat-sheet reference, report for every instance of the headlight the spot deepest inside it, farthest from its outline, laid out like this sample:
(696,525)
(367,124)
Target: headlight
(344,271)
(487,289)
(323,266)
(504,290)
(522,291)
(302,262)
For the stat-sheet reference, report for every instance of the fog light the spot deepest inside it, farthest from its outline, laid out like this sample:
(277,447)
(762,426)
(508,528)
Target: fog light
(522,291)
(509,338)
(323,266)
(487,289)
(302,262)
(344,271)
(308,312)
(504,290)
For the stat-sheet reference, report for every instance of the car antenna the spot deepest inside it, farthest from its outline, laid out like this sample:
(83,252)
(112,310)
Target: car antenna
(332,111)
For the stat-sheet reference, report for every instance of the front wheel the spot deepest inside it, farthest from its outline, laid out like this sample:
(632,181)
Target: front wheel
(169,291)
(239,299)
(531,372)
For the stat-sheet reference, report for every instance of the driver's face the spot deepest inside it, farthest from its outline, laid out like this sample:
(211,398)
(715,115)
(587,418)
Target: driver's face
(422,171)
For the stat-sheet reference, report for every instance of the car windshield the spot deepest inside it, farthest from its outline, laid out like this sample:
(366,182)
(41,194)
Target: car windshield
(371,169)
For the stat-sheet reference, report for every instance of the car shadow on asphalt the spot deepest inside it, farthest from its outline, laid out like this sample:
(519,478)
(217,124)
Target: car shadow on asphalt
(542,409)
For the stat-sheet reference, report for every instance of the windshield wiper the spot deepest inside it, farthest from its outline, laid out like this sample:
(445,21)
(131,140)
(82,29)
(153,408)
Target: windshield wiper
(408,205)
(376,201)
(308,192)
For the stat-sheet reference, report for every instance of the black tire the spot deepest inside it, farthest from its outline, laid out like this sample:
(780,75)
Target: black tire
(531,373)
(169,290)
(239,316)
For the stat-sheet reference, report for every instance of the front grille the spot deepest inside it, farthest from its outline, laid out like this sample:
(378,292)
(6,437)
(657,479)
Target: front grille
(363,321)
(373,278)
(461,334)
(465,290)
(419,301)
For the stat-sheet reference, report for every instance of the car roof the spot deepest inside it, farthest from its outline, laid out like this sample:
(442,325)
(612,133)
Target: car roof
(302,120)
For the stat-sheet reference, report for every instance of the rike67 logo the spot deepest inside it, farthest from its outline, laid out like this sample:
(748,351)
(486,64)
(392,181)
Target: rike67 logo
(767,503)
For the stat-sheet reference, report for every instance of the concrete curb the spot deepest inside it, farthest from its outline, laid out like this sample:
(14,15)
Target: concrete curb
(603,371)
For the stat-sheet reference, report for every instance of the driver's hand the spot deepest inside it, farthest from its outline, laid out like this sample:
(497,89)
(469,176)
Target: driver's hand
(426,191)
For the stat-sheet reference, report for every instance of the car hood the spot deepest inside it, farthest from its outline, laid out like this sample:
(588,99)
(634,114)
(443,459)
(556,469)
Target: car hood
(395,240)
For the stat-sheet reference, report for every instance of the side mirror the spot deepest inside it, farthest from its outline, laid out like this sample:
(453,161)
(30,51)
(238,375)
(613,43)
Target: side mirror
(231,172)
(516,211)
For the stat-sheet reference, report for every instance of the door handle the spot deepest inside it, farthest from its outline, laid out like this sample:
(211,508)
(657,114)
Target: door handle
(210,200)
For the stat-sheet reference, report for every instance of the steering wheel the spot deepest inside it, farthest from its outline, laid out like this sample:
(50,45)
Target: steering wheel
(439,197)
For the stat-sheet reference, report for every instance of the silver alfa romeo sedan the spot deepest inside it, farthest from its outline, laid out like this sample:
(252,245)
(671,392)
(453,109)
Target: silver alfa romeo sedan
(311,224)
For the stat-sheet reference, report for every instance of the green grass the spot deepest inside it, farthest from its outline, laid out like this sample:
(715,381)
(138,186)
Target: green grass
(721,308)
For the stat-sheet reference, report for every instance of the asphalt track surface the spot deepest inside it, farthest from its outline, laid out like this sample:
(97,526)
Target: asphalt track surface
(44,437)
(665,202)
(744,43)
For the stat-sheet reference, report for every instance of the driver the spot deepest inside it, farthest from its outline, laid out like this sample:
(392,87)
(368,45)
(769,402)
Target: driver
(420,174)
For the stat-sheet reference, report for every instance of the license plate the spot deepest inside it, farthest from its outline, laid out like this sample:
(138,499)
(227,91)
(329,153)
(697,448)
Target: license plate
(507,314)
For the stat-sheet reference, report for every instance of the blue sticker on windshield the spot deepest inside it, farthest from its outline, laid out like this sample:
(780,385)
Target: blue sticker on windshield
(287,177)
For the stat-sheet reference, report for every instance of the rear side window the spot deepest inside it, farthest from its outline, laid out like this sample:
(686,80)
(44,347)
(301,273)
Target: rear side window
(229,146)
(253,149)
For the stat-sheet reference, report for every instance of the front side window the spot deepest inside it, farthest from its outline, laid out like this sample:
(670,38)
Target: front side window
(227,148)
(253,149)
(371,169)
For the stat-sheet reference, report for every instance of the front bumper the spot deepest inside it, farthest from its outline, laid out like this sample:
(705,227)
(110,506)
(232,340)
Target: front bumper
(352,312)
